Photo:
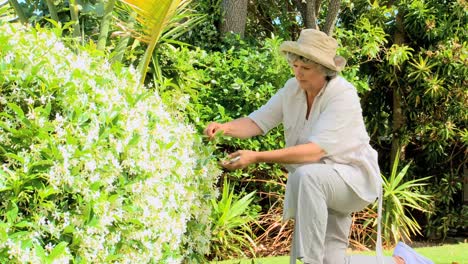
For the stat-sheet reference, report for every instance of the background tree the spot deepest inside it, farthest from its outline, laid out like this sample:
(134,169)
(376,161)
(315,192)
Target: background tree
(74,13)
(234,16)
(105,24)
(310,12)
(52,10)
(273,18)
(398,118)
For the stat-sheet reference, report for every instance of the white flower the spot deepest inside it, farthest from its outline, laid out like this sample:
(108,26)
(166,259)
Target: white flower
(31,114)
(59,119)
(9,57)
(49,247)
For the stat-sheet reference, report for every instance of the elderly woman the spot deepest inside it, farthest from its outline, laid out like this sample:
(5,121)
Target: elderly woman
(333,171)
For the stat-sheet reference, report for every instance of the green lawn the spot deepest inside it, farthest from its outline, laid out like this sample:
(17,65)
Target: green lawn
(440,255)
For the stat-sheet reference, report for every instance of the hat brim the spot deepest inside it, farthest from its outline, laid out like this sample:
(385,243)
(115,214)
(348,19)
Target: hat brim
(337,64)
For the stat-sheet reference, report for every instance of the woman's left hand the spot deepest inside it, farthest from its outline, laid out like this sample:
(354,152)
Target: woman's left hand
(239,159)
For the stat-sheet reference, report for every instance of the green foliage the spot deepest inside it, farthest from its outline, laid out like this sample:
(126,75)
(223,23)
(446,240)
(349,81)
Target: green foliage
(420,49)
(95,169)
(372,37)
(445,199)
(397,55)
(400,197)
(205,34)
(231,218)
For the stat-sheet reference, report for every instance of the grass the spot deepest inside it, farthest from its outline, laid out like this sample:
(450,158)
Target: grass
(446,254)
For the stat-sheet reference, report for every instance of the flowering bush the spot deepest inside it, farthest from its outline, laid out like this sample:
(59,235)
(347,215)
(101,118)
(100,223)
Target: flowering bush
(95,169)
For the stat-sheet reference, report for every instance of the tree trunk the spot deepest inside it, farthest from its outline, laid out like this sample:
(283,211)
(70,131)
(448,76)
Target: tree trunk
(332,15)
(19,11)
(52,10)
(234,16)
(311,19)
(105,24)
(309,12)
(398,118)
(302,9)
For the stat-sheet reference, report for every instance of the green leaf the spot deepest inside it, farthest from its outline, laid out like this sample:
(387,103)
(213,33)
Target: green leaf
(3,231)
(399,196)
(397,54)
(12,213)
(19,112)
(44,193)
(58,251)
(69,229)
(40,252)
(23,224)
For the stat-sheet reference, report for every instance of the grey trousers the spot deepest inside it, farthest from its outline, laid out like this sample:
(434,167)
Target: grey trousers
(323,205)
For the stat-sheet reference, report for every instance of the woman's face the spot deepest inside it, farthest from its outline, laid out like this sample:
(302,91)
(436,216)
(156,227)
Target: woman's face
(308,76)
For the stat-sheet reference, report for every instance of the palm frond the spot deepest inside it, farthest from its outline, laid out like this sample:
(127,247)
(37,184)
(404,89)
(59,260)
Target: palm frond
(153,16)
(183,20)
(400,197)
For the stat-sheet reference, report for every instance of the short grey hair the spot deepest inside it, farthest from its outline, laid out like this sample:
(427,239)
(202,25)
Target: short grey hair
(292,57)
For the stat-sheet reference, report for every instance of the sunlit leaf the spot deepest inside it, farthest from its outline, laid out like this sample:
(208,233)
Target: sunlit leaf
(153,16)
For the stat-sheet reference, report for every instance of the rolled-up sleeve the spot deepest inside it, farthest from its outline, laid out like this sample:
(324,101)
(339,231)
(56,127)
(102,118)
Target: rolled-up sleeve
(338,127)
(270,114)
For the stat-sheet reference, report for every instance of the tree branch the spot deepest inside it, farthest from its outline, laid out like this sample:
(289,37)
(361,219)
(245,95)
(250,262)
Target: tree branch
(332,15)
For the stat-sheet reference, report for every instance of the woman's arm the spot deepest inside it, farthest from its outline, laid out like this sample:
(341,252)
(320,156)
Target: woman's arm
(304,153)
(239,128)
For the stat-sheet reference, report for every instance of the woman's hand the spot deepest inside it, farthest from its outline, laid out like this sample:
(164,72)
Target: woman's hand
(212,129)
(243,127)
(240,159)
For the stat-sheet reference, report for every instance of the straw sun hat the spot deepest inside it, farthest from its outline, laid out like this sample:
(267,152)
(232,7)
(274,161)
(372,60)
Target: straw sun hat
(317,46)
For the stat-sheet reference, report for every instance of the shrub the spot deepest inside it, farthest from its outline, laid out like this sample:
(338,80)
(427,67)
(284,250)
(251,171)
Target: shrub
(95,168)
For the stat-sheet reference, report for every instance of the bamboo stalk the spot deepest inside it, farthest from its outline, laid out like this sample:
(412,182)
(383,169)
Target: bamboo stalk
(105,24)
(75,18)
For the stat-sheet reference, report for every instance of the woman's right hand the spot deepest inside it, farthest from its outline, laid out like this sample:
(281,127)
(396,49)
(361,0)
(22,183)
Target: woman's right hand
(212,129)
(240,159)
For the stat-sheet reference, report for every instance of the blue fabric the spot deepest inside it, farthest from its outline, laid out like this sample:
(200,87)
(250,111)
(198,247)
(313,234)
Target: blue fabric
(409,255)
(360,259)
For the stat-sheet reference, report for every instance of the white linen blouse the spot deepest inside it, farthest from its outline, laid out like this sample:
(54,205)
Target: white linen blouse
(335,123)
